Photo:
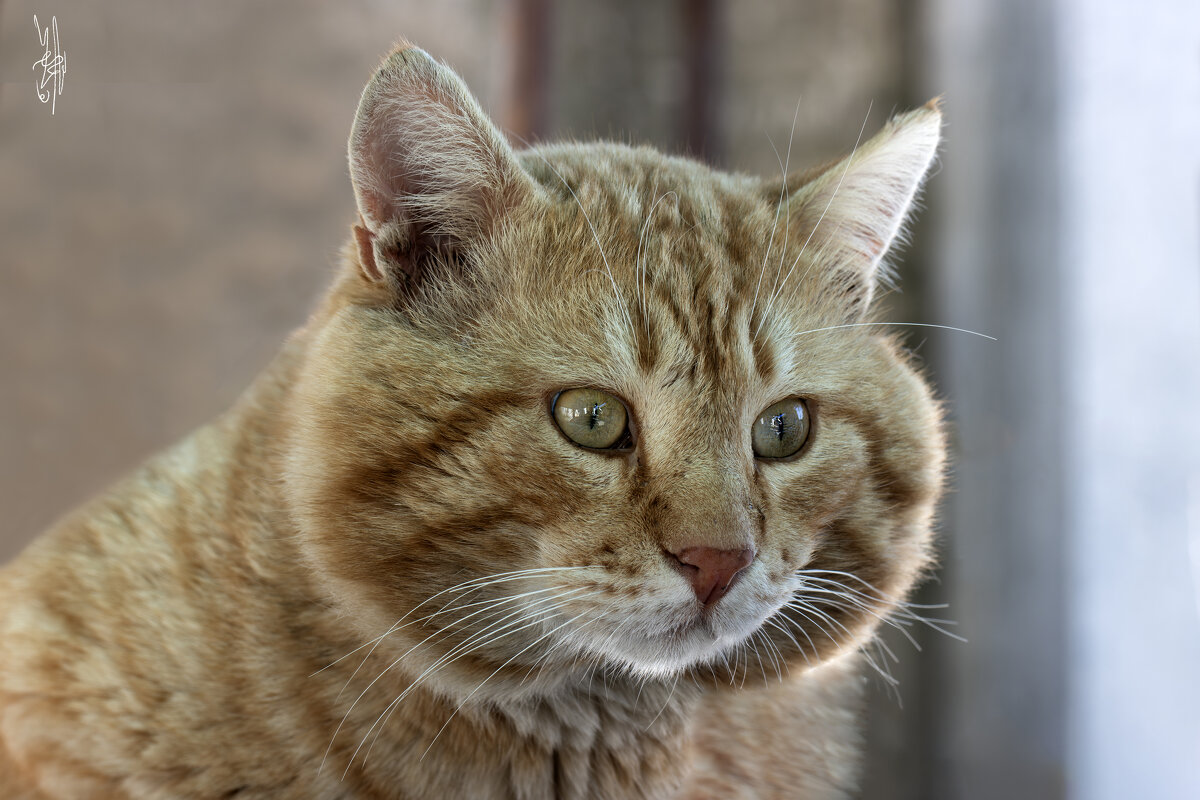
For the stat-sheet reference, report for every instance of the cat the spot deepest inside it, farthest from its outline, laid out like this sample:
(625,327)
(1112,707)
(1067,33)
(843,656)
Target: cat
(589,477)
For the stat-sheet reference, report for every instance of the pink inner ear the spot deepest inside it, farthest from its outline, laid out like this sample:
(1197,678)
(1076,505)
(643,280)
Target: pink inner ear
(379,169)
(366,250)
(430,171)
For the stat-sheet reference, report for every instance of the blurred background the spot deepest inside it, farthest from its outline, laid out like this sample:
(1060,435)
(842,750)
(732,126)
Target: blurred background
(181,206)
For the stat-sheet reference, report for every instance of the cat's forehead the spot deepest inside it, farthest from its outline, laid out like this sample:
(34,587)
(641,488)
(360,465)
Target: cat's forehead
(713,246)
(641,190)
(649,276)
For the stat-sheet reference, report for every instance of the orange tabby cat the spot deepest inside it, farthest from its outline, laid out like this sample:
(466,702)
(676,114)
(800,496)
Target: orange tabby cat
(588,452)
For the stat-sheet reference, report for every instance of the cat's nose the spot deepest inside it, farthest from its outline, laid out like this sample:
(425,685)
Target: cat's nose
(710,571)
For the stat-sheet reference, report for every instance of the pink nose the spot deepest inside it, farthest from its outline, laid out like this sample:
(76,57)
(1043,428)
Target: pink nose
(711,571)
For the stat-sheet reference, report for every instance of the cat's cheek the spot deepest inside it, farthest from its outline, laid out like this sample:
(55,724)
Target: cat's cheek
(801,498)
(791,550)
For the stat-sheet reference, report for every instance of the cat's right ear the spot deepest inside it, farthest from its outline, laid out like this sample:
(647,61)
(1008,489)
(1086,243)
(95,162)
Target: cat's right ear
(847,214)
(432,175)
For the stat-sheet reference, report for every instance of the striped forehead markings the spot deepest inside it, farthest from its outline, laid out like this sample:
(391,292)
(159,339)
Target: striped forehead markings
(711,320)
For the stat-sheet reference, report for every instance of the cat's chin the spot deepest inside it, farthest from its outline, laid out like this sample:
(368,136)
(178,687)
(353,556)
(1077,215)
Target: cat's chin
(664,653)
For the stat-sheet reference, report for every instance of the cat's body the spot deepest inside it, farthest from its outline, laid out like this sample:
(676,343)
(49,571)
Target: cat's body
(604,621)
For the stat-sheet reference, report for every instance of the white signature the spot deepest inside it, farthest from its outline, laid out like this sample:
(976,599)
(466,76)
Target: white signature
(53,63)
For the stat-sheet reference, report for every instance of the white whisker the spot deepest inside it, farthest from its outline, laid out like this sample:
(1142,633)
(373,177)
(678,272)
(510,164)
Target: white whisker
(467,647)
(486,580)
(803,610)
(912,324)
(776,656)
(666,703)
(783,629)
(902,613)
(497,670)
(489,606)
(762,668)
(385,671)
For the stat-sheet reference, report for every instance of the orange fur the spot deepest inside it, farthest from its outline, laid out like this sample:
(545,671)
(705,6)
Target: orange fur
(187,633)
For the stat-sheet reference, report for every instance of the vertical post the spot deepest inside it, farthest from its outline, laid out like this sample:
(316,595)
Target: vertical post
(527,114)
(702,59)
(999,723)
(1068,223)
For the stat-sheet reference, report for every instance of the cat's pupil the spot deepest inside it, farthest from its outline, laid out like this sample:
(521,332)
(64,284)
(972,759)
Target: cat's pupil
(779,425)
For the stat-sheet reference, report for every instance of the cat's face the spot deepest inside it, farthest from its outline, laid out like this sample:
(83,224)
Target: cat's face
(590,404)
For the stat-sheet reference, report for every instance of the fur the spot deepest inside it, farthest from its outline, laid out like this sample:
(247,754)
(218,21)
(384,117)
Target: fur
(395,478)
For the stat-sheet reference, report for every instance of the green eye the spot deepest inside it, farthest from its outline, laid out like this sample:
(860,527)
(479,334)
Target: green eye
(781,429)
(592,418)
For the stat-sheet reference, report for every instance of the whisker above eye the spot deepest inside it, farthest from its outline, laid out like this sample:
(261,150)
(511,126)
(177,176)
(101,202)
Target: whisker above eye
(779,286)
(400,459)
(783,167)
(639,262)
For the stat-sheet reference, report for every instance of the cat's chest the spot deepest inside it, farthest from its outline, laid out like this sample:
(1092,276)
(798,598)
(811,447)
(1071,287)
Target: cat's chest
(576,745)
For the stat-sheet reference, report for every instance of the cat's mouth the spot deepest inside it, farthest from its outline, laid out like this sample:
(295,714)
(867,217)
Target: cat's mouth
(664,640)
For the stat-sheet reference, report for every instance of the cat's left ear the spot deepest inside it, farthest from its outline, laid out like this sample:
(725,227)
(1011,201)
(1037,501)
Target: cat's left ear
(852,211)
(432,175)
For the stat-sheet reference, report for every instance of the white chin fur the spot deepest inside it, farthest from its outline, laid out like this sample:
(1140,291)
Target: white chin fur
(654,643)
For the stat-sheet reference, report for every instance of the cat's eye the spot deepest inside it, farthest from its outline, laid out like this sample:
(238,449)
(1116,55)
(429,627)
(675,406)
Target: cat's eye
(781,429)
(592,418)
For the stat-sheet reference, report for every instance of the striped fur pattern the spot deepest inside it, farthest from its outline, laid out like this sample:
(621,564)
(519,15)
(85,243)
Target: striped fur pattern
(386,573)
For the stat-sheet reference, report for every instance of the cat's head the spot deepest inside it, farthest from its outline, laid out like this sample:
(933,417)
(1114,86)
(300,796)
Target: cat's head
(590,403)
